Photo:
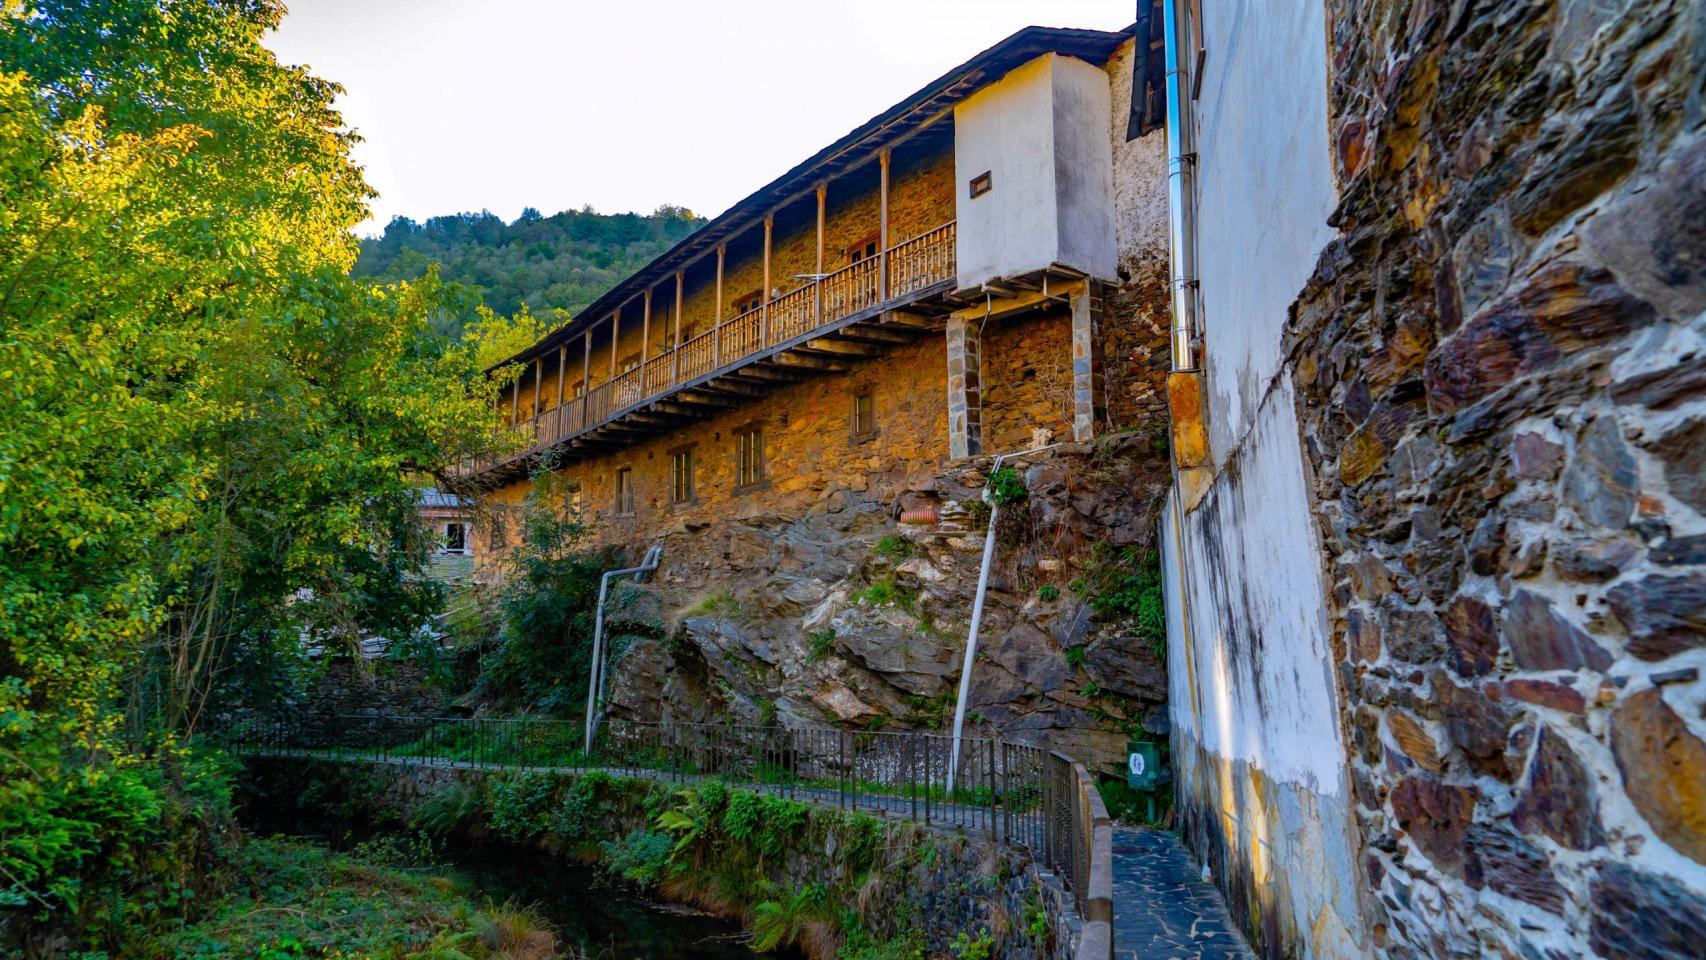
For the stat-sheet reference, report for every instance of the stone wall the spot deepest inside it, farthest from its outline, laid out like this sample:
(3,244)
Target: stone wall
(1498,368)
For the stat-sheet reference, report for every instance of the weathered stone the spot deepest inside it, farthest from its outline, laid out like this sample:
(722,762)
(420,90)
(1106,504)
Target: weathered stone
(1533,457)
(1362,636)
(1476,725)
(1361,456)
(1545,693)
(1598,150)
(1540,639)
(1601,484)
(1593,561)
(1437,816)
(1680,551)
(1643,916)
(1655,237)
(1414,636)
(1664,770)
(1558,801)
(1413,740)
(1128,666)
(1504,860)
(1561,310)
(1473,634)
(1683,451)
(1664,614)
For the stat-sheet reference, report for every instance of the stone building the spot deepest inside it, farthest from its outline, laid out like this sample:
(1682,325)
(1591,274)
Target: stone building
(1436,547)
(958,276)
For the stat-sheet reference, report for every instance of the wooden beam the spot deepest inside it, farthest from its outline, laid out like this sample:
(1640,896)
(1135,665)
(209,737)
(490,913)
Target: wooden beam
(675,365)
(846,348)
(694,397)
(804,362)
(615,325)
(645,341)
(717,318)
(725,386)
(764,374)
(562,371)
(822,201)
(873,335)
(515,401)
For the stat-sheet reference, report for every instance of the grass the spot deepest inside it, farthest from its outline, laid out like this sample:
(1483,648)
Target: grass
(721,604)
(291,898)
(894,548)
(822,643)
(883,592)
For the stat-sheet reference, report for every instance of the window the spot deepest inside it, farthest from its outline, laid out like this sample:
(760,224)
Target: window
(863,250)
(681,476)
(749,457)
(624,490)
(455,538)
(864,414)
(748,302)
(629,362)
(982,184)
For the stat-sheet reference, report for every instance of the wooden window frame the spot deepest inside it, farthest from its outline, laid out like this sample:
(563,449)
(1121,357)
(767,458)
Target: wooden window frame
(981,184)
(873,242)
(870,431)
(624,485)
(755,298)
(461,527)
(759,478)
(683,494)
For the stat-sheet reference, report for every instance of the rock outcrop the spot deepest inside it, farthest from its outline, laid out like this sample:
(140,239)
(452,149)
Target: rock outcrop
(844,615)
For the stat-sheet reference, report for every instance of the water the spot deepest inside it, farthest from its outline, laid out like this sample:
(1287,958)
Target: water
(603,920)
(592,916)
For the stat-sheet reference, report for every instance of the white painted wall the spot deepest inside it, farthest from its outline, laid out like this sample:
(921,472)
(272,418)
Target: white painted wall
(1266,187)
(1042,133)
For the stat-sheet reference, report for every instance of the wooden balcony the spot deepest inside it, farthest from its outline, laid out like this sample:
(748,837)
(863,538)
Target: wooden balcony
(817,328)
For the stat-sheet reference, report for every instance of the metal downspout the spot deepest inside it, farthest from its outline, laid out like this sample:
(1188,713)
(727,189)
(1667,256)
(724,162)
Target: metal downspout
(1181,194)
(977,615)
(595,681)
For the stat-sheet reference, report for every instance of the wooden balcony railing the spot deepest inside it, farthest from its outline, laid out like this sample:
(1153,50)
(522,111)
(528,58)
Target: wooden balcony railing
(912,266)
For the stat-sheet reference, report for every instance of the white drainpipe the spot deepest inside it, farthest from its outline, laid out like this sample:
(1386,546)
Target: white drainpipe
(977,615)
(1181,191)
(595,682)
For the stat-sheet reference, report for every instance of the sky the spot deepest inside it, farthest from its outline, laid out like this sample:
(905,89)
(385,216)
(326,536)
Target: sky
(467,105)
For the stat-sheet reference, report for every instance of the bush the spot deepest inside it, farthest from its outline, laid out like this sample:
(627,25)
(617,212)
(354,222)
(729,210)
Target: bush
(448,811)
(1006,487)
(521,804)
(641,858)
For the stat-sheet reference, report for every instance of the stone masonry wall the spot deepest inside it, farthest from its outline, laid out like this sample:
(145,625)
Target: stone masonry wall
(1500,371)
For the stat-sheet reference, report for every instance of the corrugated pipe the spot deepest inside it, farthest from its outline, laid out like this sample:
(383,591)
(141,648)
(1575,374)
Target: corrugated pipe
(977,614)
(1181,191)
(595,682)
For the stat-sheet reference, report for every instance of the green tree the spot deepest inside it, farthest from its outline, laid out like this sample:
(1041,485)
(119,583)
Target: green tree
(212,432)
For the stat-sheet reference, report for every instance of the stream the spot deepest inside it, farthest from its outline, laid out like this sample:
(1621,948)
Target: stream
(592,916)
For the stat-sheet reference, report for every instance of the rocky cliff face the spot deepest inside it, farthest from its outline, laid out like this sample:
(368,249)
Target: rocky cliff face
(845,615)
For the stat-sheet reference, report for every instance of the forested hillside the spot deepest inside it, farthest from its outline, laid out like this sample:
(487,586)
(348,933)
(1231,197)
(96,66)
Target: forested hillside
(563,261)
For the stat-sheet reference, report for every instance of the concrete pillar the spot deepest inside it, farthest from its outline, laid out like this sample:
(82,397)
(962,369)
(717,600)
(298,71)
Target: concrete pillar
(1089,395)
(965,388)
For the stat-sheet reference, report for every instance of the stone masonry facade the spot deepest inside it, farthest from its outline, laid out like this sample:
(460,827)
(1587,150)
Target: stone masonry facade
(1500,370)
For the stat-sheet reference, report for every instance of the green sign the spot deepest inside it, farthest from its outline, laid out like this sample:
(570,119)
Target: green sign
(1142,765)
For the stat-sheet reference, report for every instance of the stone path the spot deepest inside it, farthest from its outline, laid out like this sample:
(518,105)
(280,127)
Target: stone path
(1162,908)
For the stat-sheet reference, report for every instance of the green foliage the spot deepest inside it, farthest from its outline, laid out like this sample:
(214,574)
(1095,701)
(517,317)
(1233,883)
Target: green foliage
(822,644)
(521,804)
(781,923)
(1126,584)
(967,947)
(548,607)
(1076,655)
(1036,918)
(583,815)
(883,592)
(721,604)
(641,858)
(894,548)
(1006,487)
(450,810)
(1048,593)
(561,262)
(862,945)
(213,434)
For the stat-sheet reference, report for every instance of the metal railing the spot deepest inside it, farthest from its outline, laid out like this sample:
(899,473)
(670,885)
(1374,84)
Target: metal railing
(910,266)
(1014,793)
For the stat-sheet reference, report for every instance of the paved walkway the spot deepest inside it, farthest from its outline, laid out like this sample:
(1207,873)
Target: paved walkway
(1162,908)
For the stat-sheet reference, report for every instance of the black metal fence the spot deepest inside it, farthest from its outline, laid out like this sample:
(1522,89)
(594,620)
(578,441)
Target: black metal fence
(1015,793)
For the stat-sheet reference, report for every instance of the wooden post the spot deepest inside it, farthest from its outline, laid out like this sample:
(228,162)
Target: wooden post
(883,229)
(822,200)
(615,323)
(538,381)
(562,371)
(515,401)
(586,376)
(645,338)
(717,318)
(764,296)
(675,362)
